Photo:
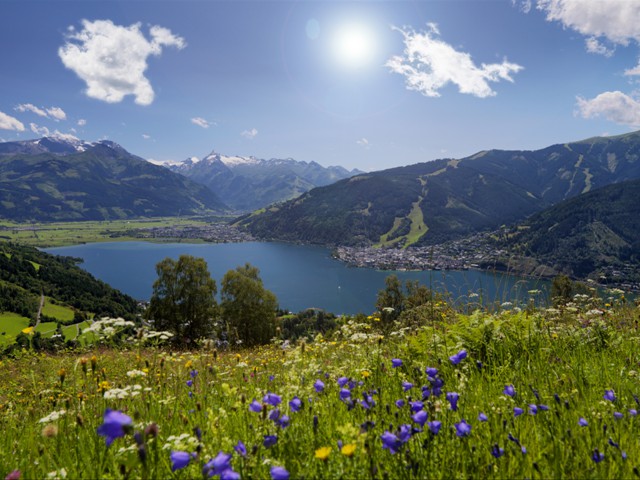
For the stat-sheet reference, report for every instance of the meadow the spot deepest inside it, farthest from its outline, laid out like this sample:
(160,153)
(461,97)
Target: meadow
(512,393)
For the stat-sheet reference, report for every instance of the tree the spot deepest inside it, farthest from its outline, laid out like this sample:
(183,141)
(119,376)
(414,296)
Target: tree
(248,309)
(183,300)
(390,301)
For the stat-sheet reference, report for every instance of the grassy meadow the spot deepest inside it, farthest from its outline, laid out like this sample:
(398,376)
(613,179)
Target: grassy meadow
(531,393)
(56,234)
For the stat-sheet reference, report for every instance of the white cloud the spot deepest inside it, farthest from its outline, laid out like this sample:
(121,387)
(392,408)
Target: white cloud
(55,113)
(145,136)
(615,106)
(593,45)
(250,134)
(82,122)
(42,131)
(363,142)
(112,59)
(616,20)
(428,64)
(9,123)
(201,122)
(28,107)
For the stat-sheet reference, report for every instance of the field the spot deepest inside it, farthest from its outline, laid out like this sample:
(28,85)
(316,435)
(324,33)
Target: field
(70,233)
(11,324)
(60,312)
(535,393)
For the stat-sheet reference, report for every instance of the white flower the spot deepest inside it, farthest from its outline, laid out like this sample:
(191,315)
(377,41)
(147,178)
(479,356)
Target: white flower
(57,474)
(136,373)
(52,417)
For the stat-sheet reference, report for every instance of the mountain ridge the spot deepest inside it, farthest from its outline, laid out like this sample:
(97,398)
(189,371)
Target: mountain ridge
(435,201)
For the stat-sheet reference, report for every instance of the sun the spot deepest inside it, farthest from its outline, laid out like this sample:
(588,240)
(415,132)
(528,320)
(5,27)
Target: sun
(354,45)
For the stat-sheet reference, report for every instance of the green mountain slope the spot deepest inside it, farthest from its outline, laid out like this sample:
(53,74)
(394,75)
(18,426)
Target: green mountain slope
(26,274)
(591,232)
(444,199)
(96,182)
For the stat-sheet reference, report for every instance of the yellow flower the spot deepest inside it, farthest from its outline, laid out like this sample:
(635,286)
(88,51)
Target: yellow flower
(348,449)
(104,386)
(188,365)
(28,330)
(323,453)
(366,374)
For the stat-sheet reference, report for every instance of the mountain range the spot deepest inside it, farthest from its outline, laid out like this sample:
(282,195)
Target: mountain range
(63,178)
(249,183)
(431,202)
(598,231)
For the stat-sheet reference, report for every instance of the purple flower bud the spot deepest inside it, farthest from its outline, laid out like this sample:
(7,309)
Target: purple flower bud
(407,386)
(319,386)
(609,395)
(255,406)
(295,404)
(458,357)
(279,473)
(462,428)
(582,422)
(396,362)
(482,417)
(434,426)
(517,411)
(509,390)
(179,460)
(420,417)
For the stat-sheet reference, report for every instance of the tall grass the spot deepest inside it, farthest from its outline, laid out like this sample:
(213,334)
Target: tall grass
(572,366)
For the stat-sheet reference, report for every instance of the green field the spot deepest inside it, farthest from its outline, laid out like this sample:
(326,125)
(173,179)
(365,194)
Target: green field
(69,233)
(11,325)
(60,312)
(47,329)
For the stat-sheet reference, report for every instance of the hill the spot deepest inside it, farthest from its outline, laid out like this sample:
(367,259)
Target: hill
(431,202)
(597,231)
(249,183)
(27,273)
(55,179)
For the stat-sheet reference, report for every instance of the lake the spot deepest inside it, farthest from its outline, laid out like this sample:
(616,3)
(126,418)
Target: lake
(301,276)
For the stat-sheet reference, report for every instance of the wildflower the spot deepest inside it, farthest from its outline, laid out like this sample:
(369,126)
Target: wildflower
(400,403)
(462,428)
(229,474)
(458,357)
(323,453)
(283,422)
(514,439)
(633,412)
(543,407)
(434,426)
(365,374)
(114,425)
(279,473)
(416,406)
(496,451)
(390,442)
(218,465)
(295,404)
(255,406)
(396,362)
(240,449)
(52,417)
(453,397)
(14,475)
(609,395)
(272,399)
(274,415)
(407,386)
(613,444)
(431,372)
(582,422)
(509,390)
(482,417)
(50,431)
(270,440)
(420,417)
(533,409)
(189,383)
(342,381)
(319,386)
(597,456)
(179,460)
(517,411)
(345,394)
(404,433)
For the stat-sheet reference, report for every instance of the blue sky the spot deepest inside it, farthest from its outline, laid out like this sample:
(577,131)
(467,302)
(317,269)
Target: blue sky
(367,84)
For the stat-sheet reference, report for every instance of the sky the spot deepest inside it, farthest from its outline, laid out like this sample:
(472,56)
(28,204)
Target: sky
(365,84)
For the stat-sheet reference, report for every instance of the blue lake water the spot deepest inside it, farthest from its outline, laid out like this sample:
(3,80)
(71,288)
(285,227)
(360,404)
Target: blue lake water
(300,276)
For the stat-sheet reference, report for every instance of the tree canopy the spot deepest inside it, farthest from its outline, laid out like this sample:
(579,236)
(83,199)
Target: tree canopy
(183,300)
(248,309)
